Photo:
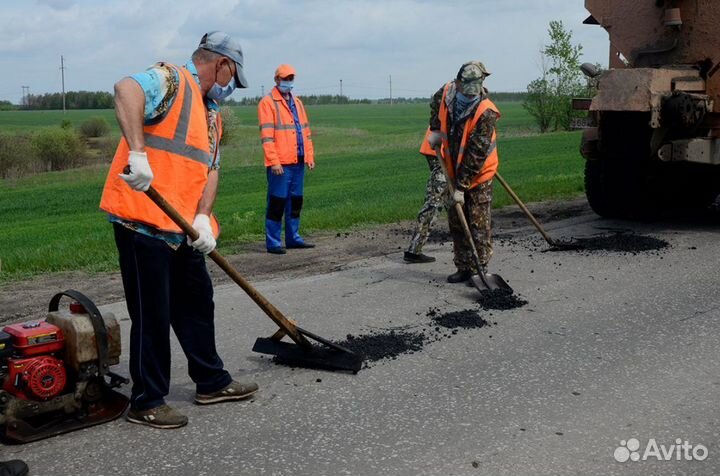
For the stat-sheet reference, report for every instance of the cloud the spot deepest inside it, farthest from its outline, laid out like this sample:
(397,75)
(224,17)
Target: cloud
(421,43)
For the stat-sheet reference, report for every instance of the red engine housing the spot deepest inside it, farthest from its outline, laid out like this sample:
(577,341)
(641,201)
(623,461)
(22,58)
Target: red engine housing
(36,378)
(33,372)
(34,338)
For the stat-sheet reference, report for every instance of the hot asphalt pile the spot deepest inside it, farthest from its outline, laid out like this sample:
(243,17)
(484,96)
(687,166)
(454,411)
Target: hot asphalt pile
(500,300)
(390,343)
(618,242)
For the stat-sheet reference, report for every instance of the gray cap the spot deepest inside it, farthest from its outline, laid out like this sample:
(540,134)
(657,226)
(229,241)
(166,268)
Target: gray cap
(471,75)
(220,42)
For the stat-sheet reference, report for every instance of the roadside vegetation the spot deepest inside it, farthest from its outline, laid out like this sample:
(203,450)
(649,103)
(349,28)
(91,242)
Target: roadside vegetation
(369,172)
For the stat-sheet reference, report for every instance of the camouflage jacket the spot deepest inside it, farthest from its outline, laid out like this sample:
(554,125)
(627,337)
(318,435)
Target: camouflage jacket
(479,141)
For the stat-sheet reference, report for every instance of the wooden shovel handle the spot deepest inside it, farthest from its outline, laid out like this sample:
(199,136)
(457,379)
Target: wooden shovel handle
(272,312)
(525,210)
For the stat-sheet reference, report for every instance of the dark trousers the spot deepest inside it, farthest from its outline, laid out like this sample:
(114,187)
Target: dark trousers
(164,288)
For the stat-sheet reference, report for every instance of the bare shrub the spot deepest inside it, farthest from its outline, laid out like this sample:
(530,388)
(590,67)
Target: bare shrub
(95,127)
(16,155)
(59,149)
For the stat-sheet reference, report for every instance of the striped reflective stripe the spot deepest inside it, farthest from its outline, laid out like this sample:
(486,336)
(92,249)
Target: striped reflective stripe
(267,139)
(177,145)
(277,114)
(288,127)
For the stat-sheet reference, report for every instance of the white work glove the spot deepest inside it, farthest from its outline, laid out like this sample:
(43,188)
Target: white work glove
(206,241)
(459,197)
(435,139)
(140,174)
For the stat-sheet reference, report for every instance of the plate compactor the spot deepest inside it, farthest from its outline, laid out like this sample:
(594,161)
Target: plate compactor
(55,372)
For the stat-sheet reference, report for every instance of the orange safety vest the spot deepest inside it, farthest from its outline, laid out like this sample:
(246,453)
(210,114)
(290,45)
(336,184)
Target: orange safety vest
(425,148)
(491,162)
(277,130)
(178,150)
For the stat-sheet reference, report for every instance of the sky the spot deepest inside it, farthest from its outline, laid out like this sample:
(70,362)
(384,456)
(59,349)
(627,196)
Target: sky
(416,44)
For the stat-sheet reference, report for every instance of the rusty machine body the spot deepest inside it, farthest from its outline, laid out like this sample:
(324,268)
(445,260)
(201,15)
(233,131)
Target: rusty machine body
(54,373)
(655,140)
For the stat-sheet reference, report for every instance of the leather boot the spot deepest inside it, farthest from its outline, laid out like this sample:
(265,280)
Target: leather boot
(460,276)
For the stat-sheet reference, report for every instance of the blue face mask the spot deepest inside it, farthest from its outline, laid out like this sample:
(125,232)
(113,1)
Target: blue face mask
(464,101)
(286,86)
(218,93)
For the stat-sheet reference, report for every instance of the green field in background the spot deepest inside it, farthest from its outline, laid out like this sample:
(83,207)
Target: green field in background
(368,172)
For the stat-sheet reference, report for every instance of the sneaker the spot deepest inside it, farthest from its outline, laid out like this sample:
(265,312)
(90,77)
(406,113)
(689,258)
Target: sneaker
(234,391)
(13,467)
(417,258)
(459,277)
(163,417)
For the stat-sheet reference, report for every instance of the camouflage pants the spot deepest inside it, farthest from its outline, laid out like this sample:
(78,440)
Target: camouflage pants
(477,206)
(435,199)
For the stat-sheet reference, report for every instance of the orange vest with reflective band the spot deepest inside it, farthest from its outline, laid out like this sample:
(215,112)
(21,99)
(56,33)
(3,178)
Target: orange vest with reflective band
(178,150)
(425,148)
(491,162)
(277,130)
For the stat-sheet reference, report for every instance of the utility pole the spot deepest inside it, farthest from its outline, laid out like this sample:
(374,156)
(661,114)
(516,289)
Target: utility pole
(62,73)
(341,88)
(262,90)
(391,90)
(26,95)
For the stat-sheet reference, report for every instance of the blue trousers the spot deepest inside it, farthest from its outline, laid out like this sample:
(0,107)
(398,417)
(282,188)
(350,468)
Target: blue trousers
(285,197)
(167,288)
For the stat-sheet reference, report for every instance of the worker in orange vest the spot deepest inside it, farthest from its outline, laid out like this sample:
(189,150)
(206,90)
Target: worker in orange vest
(170,120)
(462,124)
(287,144)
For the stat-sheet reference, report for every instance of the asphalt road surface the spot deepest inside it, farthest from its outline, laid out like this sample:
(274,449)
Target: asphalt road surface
(612,353)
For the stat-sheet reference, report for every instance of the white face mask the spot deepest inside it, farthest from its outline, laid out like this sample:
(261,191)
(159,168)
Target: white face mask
(286,86)
(218,93)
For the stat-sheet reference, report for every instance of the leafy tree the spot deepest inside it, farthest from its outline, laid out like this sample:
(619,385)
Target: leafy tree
(550,96)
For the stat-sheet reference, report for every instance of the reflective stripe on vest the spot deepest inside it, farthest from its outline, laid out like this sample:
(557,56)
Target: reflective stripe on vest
(491,160)
(178,144)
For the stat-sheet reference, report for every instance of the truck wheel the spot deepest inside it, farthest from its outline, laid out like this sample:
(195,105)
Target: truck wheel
(616,180)
(600,191)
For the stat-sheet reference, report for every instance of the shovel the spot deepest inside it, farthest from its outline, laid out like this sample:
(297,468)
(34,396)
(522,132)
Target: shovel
(302,353)
(483,282)
(554,245)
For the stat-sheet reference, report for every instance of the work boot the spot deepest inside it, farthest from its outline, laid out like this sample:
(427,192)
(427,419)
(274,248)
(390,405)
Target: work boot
(460,276)
(417,258)
(276,251)
(234,391)
(13,467)
(163,417)
(300,245)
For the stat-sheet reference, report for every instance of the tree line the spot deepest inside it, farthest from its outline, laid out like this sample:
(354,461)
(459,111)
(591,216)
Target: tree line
(104,100)
(73,100)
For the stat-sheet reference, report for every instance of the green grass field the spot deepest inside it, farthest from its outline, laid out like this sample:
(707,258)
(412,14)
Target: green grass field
(368,172)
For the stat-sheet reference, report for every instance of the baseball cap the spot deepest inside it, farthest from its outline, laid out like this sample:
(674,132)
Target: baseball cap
(284,70)
(220,42)
(471,75)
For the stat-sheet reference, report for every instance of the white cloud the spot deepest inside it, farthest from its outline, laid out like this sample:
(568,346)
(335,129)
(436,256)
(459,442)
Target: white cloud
(421,43)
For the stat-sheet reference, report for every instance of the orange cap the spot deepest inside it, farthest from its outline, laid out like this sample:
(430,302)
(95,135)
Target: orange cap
(284,70)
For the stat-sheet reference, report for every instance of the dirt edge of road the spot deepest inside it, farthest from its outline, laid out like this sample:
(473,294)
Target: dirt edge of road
(25,300)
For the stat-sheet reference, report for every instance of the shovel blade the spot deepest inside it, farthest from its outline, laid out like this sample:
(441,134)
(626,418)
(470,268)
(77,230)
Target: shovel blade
(315,357)
(490,282)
